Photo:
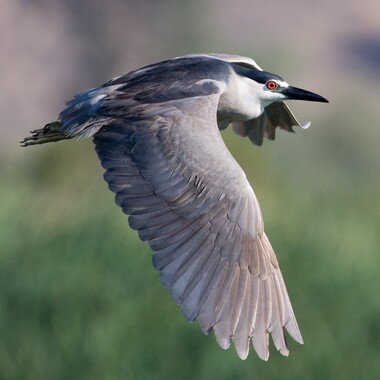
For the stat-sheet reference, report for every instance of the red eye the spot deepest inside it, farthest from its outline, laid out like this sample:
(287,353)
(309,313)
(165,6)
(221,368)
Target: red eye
(271,85)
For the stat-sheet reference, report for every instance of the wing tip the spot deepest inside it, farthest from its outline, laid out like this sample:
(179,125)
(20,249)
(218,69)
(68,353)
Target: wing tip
(294,331)
(221,335)
(305,125)
(242,352)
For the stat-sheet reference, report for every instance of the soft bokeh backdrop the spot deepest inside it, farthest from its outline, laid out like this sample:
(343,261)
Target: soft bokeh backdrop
(79,298)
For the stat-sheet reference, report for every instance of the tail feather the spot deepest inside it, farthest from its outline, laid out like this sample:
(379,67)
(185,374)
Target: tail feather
(51,132)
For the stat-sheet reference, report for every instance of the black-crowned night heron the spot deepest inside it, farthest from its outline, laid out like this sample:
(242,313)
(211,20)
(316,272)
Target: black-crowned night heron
(156,132)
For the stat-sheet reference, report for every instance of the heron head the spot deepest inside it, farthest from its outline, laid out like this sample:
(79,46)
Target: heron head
(272,88)
(275,89)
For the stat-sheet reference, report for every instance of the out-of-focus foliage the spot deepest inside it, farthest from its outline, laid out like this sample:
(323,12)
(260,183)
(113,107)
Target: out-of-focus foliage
(79,298)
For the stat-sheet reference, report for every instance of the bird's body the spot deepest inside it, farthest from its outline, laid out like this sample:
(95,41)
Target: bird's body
(156,134)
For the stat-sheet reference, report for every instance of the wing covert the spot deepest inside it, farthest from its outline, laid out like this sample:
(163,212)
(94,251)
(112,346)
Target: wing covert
(276,115)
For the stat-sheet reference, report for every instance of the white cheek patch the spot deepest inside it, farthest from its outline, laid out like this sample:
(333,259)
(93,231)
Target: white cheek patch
(282,83)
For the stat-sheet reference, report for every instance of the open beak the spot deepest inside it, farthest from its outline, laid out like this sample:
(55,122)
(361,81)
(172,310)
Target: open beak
(299,94)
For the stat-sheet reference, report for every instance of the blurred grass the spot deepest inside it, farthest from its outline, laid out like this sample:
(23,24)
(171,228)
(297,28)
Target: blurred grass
(79,298)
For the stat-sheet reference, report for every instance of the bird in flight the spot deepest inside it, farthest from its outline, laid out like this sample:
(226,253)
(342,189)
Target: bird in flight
(156,132)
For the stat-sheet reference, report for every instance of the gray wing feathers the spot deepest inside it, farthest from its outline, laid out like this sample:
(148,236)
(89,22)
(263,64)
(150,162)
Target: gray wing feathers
(276,115)
(200,216)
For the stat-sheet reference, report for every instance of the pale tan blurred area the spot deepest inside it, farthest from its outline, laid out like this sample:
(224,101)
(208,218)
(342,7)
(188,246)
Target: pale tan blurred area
(51,49)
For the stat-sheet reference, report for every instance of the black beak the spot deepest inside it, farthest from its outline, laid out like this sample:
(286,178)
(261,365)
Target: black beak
(299,94)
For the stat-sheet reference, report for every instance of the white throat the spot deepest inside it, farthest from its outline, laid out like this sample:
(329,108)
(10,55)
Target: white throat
(241,99)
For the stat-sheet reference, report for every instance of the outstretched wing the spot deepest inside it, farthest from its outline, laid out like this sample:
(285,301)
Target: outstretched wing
(187,196)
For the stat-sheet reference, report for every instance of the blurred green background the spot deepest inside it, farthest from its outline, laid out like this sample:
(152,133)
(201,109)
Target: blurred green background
(79,298)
